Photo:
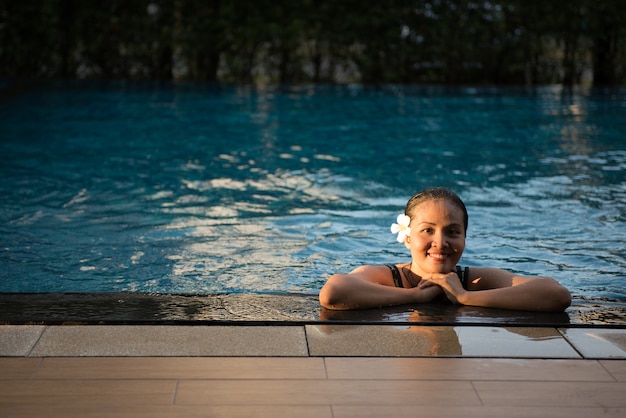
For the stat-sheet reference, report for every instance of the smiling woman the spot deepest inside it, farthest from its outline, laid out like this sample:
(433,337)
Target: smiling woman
(435,236)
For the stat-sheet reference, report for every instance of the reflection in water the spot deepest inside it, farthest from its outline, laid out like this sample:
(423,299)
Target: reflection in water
(385,340)
(249,243)
(436,340)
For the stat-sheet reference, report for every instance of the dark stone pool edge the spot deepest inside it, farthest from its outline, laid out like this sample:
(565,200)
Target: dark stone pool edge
(277,309)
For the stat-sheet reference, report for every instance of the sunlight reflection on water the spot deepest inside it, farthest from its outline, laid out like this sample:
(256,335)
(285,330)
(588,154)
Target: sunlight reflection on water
(191,189)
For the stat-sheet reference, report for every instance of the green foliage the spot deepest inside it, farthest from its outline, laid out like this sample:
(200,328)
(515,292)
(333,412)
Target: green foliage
(517,42)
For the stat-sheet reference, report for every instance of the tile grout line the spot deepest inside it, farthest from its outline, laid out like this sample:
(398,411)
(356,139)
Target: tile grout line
(175,394)
(324,362)
(33,375)
(582,356)
(32,348)
(601,363)
(480,399)
(306,341)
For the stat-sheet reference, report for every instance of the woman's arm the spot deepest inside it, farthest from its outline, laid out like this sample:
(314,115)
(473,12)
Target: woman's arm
(370,287)
(496,288)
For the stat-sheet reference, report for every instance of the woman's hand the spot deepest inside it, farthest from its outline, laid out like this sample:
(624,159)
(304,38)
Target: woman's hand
(426,293)
(449,283)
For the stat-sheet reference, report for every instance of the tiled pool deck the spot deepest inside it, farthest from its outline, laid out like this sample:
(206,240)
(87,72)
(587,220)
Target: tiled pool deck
(321,369)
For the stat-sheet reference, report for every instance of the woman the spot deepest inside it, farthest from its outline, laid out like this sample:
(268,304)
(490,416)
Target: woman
(433,228)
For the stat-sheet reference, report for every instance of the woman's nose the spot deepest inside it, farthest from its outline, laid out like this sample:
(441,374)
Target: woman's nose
(439,240)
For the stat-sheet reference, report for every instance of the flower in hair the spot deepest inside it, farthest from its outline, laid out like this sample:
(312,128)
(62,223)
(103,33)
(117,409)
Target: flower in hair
(401,227)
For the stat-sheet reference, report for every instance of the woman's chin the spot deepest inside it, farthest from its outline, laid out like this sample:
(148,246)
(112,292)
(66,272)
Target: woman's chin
(441,267)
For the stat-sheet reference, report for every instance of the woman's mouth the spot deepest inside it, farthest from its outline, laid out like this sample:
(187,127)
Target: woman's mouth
(438,257)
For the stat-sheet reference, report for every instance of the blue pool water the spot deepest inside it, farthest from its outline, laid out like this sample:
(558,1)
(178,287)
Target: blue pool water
(197,189)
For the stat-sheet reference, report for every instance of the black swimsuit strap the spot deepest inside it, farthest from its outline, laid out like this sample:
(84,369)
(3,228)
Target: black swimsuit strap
(463,275)
(397,278)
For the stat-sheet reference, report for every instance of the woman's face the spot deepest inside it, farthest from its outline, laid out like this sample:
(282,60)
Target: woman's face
(437,237)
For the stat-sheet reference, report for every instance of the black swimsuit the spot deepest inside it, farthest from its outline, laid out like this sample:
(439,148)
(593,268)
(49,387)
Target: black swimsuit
(397,278)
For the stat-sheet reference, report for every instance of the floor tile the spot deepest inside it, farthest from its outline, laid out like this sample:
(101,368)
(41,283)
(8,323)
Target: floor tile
(324,392)
(414,341)
(104,340)
(256,411)
(597,342)
(87,392)
(18,340)
(466,369)
(181,367)
(474,412)
(582,394)
(18,368)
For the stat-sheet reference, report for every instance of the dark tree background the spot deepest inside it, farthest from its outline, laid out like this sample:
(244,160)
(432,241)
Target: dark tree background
(518,42)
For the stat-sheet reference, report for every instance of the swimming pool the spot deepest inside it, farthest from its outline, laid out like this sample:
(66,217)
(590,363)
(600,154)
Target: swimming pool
(202,189)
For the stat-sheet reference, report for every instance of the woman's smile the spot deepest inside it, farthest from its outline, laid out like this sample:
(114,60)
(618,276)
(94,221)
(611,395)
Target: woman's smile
(438,257)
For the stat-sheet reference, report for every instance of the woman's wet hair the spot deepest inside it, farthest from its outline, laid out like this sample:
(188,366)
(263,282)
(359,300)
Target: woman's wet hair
(436,193)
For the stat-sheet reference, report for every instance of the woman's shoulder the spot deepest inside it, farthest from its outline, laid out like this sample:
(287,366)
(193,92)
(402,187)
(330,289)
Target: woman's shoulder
(377,273)
(477,270)
(374,268)
(481,278)
(387,266)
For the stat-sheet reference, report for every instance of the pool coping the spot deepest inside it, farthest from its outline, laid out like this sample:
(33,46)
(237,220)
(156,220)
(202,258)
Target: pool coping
(313,340)
(278,310)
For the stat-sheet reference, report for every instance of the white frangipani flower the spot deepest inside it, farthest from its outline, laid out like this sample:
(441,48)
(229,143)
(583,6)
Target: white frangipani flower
(401,227)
